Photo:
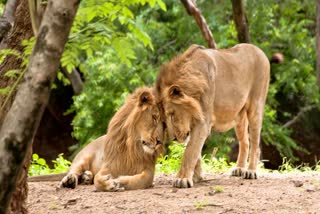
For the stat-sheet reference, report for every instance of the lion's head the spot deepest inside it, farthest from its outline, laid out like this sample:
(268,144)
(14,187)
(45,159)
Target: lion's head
(181,113)
(137,124)
(180,86)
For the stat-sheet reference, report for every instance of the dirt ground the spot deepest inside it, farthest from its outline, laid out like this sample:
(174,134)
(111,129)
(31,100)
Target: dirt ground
(219,193)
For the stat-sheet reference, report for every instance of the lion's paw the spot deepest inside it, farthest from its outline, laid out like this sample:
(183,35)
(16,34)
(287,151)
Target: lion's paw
(250,174)
(69,181)
(183,183)
(87,177)
(238,171)
(197,178)
(113,185)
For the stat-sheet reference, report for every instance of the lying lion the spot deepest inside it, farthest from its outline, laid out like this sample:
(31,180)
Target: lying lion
(124,158)
(206,89)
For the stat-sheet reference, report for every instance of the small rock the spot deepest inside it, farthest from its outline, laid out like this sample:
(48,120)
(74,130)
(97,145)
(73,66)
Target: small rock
(174,190)
(121,208)
(211,193)
(297,183)
(157,193)
(87,206)
(230,195)
(72,201)
(310,189)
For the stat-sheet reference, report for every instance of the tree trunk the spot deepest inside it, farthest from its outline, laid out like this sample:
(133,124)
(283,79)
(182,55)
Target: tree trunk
(22,120)
(241,21)
(318,40)
(192,10)
(7,20)
(21,30)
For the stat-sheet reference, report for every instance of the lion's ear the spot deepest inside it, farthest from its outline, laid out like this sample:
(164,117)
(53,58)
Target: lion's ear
(145,98)
(175,91)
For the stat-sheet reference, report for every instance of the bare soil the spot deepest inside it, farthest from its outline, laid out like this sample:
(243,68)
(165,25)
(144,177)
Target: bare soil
(271,193)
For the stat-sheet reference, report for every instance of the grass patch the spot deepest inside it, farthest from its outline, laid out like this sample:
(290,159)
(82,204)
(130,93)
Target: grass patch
(200,204)
(288,167)
(218,189)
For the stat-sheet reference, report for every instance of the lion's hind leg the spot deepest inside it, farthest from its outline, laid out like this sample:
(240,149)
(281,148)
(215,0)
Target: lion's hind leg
(255,117)
(69,181)
(243,138)
(78,173)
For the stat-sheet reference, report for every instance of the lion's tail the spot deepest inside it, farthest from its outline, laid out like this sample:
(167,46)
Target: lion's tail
(277,58)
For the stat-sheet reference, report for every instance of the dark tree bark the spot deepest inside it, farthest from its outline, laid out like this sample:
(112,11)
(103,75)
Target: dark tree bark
(241,21)
(192,10)
(7,19)
(20,31)
(318,39)
(22,120)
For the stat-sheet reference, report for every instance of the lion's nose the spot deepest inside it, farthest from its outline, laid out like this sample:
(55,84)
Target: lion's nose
(188,133)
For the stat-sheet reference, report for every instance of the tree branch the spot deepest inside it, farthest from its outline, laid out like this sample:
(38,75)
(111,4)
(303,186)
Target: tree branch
(22,121)
(75,80)
(241,21)
(192,10)
(36,10)
(298,116)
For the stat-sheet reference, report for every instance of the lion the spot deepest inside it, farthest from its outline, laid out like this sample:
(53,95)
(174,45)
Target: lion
(207,89)
(124,158)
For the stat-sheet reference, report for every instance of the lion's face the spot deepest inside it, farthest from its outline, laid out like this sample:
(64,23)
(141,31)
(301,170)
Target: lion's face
(178,122)
(149,127)
(181,111)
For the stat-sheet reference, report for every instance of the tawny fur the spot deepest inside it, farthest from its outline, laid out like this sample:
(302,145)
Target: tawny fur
(125,157)
(206,89)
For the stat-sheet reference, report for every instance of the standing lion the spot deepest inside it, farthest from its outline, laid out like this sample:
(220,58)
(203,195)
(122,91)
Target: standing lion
(206,89)
(124,158)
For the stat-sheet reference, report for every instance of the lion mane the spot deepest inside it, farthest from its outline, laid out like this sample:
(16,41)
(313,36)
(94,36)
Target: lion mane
(121,147)
(125,157)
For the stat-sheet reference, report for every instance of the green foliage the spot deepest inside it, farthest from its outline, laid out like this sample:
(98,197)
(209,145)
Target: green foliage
(15,74)
(104,41)
(285,27)
(119,45)
(171,162)
(221,141)
(39,166)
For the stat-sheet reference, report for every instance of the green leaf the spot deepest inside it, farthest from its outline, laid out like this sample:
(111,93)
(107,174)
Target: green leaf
(5,91)
(162,5)
(13,73)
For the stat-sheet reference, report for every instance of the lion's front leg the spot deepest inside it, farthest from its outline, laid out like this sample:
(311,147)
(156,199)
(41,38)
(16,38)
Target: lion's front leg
(71,180)
(191,156)
(139,181)
(197,176)
(105,182)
